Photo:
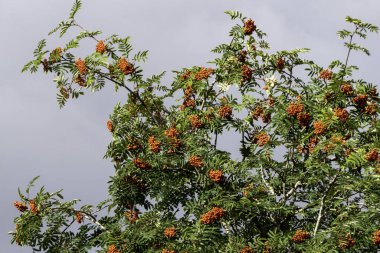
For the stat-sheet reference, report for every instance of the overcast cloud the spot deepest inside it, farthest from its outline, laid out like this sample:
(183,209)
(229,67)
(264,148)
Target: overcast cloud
(66,146)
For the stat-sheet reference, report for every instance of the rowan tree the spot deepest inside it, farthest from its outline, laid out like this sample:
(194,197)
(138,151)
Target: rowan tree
(308,179)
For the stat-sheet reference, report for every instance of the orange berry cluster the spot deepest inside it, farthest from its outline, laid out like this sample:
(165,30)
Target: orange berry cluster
(246,249)
(203,73)
(195,121)
(246,73)
(186,75)
(216,175)
(125,66)
(45,65)
(347,89)
(341,113)
(80,80)
(172,132)
(225,112)
(154,144)
(175,142)
(319,128)
(79,217)
(170,232)
(249,27)
(133,144)
(188,91)
(347,243)
(280,64)
(360,100)
(33,206)
(326,74)
(196,161)
(168,251)
(300,236)
(261,139)
(371,109)
(294,108)
(100,47)
(376,237)
(112,249)
(81,66)
(141,164)
(132,216)
(110,126)
(242,57)
(20,206)
(303,118)
(188,101)
(372,155)
(259,112)
(56,54)
(212,216)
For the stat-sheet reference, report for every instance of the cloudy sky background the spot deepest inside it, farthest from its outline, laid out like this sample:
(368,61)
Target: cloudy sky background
(66,146)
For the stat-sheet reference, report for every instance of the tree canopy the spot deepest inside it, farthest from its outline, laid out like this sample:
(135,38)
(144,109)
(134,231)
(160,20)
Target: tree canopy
(308,176)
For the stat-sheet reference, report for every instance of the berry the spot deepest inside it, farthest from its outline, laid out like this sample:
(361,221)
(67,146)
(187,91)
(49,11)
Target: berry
(360,100)
(249,27)
(225,112)
(319,127)
(112,249)
(33,206)
(246,249)
(125,66)
(171,132)
(300,236)
(170,232)
(216,175)
(347,243)
(280,64)
(81,66)
(372,155)
(168,251)
(203,73)
(371,109)
(376,237)
(141,164)
(342,114)
(261,139)
(294,108)
(195,121)
(196,161)
(79,217)
(246,73)
(110,126)
(303,118)
(100,47)
(347,89)
(326,74)
(20,206)
(212,216)
(154,145)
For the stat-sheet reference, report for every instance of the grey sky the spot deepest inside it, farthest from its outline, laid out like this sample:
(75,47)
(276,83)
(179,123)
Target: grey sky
(66,146)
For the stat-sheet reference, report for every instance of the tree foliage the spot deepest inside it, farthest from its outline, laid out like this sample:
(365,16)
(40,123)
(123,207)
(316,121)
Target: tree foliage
(309,174)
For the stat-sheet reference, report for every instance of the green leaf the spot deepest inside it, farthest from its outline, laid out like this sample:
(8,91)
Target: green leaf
(235,14)
(31,184)
(76,6)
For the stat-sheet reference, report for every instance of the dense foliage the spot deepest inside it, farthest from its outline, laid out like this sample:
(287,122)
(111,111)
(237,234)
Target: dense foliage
(308,179)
